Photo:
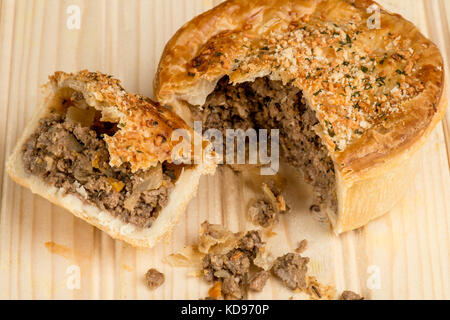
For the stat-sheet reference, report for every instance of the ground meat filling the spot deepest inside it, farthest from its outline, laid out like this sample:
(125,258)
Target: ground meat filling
(154,278)
(272,105)
(350,295)
(75,158)
(291,269)
(233,268)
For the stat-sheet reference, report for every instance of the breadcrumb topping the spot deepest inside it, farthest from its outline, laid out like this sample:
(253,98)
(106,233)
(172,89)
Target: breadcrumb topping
(353,77)
(144,127)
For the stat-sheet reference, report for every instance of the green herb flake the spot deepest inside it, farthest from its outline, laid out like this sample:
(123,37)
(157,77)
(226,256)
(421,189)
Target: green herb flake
(331,133)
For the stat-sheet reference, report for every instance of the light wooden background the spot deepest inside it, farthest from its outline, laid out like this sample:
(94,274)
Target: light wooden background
(404,255)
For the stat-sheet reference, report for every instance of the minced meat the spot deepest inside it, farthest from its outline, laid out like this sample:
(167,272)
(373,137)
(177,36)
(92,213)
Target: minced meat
(262,213)
(233,268)
(271,105)
(76,159)
(154,278)
(291,269)
(350,295)
(258,280)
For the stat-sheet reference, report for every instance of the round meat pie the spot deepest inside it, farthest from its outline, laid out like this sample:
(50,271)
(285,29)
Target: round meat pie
(106,156)
(355,91)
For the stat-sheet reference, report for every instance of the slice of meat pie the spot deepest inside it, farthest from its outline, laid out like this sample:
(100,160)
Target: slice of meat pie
(354,90)
(106,156)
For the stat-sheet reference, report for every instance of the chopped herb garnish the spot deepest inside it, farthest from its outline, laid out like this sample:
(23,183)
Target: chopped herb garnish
(266,48)
(364,69)
(400,72)
(348,39)
(320,90)
(331,133)
(381,81)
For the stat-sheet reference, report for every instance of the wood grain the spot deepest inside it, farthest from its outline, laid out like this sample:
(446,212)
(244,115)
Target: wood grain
(41,245)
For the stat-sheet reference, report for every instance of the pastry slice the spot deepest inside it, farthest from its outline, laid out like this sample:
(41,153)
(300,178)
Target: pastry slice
(354,90)
(106,156)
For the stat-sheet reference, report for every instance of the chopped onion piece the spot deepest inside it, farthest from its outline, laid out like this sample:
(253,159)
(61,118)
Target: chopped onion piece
(85,117)
(152,180)
(270,197)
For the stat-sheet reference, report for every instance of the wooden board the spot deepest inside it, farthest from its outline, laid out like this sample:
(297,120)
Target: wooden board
(403,255)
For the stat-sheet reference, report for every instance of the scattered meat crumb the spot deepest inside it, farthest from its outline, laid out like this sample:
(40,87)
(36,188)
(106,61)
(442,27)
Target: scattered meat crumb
(232,269)
(154,278)
(265,212)
(291,269)
(350,295)
(258,281)
(236,263)
(302,246)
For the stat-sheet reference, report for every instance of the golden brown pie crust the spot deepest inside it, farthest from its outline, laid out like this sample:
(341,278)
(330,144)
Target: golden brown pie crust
(377,93)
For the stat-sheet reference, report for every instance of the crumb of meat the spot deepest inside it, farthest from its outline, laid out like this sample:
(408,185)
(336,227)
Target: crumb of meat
(350,295)
(291,269)
(251,243)
(265,212)
(232,269)
(262,213)
(154,278)
(258,281)
(302,246)
(245,265)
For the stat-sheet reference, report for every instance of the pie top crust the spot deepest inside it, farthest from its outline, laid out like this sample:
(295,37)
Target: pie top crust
(377,92)
(144,127)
